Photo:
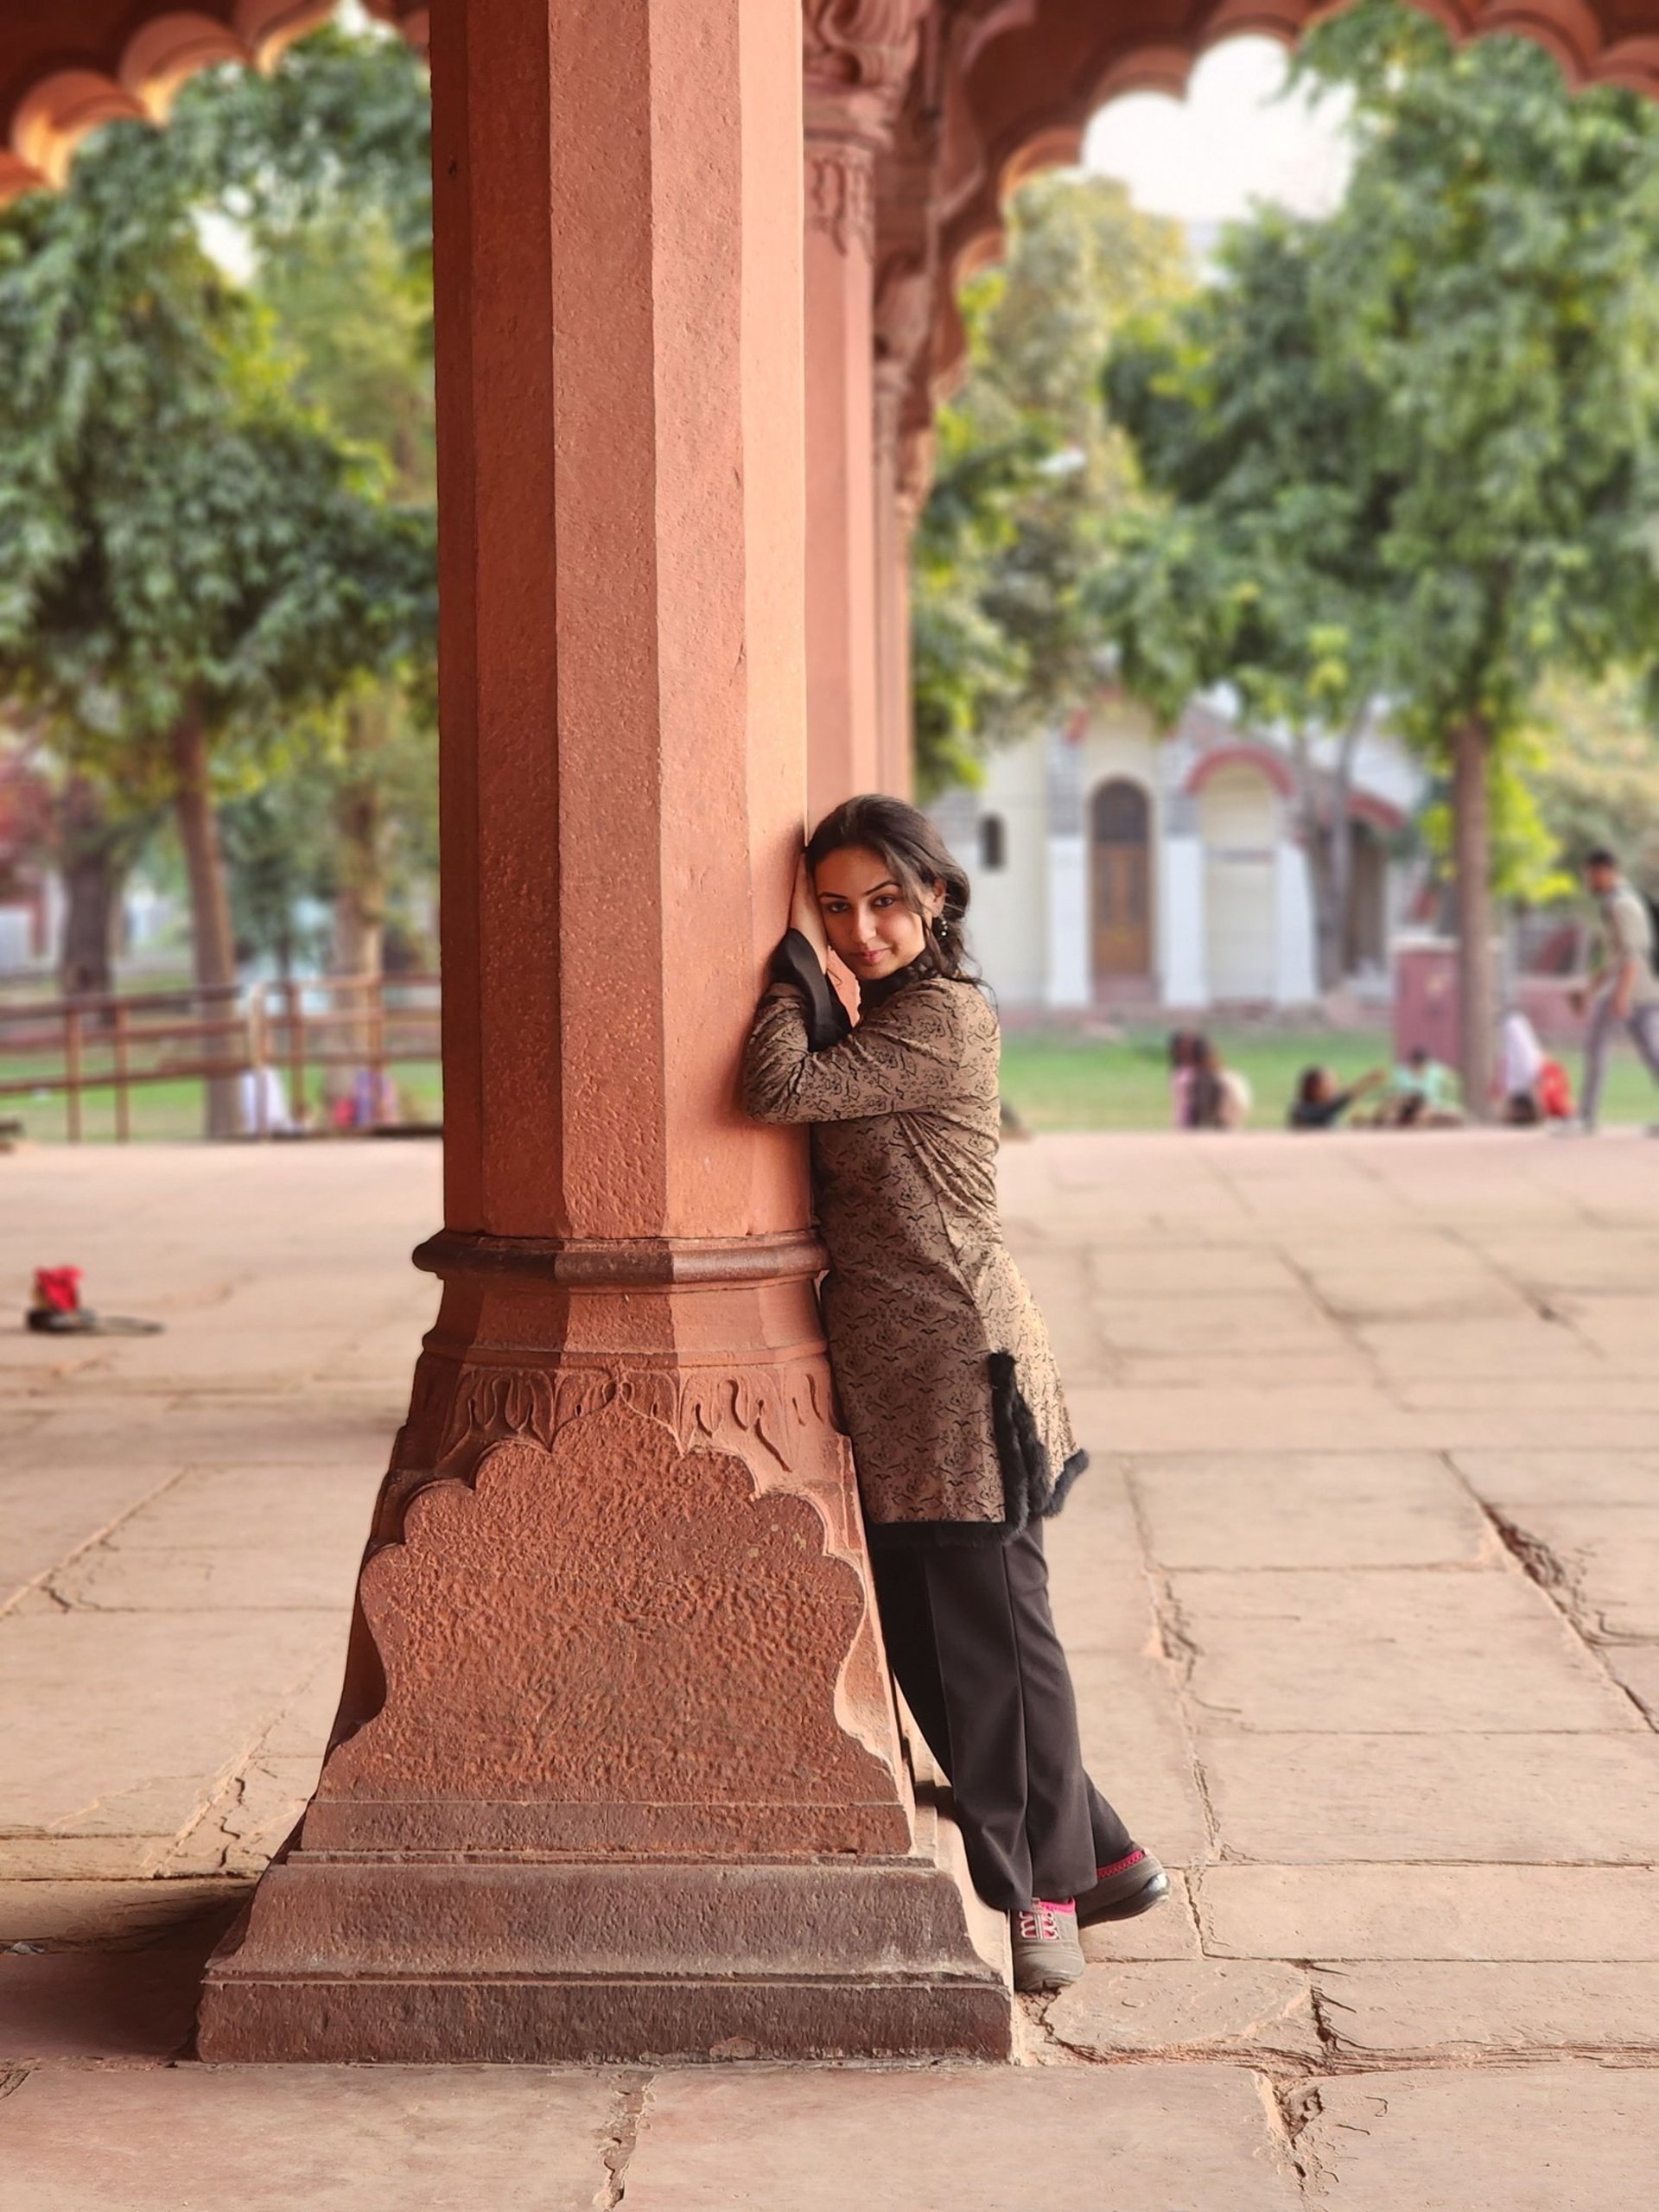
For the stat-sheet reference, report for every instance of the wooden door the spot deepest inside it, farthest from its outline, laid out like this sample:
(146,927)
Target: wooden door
(1120,825)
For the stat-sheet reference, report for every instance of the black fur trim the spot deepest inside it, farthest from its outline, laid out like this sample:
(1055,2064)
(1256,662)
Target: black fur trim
(1029,1489)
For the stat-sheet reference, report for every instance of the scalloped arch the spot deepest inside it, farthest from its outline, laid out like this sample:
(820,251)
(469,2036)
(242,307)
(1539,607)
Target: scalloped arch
(64,71)
(1029,73)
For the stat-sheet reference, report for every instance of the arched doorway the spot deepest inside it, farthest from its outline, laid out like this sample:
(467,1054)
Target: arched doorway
(1120,824)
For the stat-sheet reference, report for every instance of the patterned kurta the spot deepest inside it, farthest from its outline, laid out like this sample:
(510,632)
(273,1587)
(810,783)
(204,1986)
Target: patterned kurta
(947,1384)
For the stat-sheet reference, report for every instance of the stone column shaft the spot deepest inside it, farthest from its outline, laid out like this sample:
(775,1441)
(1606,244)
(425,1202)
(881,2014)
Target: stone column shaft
(893,525)
(841,608)
(857,56)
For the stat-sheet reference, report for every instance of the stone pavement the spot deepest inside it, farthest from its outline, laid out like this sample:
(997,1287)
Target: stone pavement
(1363,1597)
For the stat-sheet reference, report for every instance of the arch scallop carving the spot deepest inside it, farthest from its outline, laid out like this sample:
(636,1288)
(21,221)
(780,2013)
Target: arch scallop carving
(1023,77)
(66,69)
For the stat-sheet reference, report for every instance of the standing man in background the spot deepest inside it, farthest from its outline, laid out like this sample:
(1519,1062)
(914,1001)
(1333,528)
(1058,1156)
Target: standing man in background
(1622,986)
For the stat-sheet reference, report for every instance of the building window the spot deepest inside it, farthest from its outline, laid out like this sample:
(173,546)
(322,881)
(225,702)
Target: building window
(993,841)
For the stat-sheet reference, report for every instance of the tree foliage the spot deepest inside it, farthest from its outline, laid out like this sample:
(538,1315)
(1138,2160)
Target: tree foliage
(178,531)
(1028,472)
(1411,450)
(216,480)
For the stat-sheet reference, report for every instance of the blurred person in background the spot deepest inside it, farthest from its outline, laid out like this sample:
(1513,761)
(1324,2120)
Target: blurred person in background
(1622,987)
(1218,1097)
(1321,1102)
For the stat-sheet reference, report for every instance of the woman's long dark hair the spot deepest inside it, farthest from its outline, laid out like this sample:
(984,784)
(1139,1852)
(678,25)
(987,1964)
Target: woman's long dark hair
(918,858)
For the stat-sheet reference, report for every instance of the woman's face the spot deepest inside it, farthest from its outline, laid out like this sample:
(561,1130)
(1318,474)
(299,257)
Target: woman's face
(867,918)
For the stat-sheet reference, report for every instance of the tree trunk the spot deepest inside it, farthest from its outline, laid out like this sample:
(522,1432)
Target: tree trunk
(213,946)
(93,857)
(1472,877)
(1327,864)
(360,891)
(1342,846)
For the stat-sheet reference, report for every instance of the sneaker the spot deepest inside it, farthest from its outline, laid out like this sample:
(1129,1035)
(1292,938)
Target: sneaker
(1128,1886)
(1046,1952)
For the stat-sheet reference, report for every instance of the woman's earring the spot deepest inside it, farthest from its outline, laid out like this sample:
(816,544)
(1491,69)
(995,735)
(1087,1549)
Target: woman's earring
(941,928)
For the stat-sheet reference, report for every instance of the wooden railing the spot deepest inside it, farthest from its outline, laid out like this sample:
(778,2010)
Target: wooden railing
(277,1034)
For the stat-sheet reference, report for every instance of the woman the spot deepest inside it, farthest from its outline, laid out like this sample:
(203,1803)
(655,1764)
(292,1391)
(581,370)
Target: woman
(1320,1100)
(942,1364)
(1219,1097)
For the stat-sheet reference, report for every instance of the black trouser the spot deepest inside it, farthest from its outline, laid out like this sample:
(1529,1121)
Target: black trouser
(971,1642)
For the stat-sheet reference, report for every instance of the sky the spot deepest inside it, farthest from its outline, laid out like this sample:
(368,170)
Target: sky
(1206,158)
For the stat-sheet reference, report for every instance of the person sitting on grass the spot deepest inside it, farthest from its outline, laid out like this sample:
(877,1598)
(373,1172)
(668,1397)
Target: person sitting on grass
(1535,1088)
(1320,1100)
(1218,1097)
(1422,1094)
(1182,1046)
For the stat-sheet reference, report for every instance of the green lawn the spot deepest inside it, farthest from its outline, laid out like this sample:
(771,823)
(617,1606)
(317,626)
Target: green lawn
(1054,1080)
(1057,1080)
(166,1112)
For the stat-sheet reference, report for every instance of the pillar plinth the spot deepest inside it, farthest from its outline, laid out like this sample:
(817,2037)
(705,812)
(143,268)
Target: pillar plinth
(616,1773)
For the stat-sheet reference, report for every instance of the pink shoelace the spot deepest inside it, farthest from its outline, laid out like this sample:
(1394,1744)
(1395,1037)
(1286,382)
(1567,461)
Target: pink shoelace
(1040,1921)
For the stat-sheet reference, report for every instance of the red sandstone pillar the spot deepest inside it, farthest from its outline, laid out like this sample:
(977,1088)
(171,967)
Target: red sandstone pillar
(615,1771)
(901,314)
(857,55)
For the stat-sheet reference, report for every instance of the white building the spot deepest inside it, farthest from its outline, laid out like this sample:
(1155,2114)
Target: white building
(1115,866)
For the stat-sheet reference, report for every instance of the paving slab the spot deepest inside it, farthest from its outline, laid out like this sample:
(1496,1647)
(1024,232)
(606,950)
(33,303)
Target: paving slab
(134,2002)
(1136,1750)
(120,1727)
(1160,2138)
(1563,1477)
(67,1915)
(1197,2007)
(272,2138)
(1605,1557)
(1382,1911)
(1636,1666)
(1529,1346)
(49,1508)
(250,1817)
(1219,1323)
(175,1429)
(1485,2008)
(1160,1271)
(1411,1650)
(1528,1799)
(1570,2138)
(1168,1931)
(1444,1290)
(1246,1509)
(1144,1415)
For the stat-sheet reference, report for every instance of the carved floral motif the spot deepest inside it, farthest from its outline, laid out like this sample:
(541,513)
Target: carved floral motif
(860,42)
(782,1407)
(841,193)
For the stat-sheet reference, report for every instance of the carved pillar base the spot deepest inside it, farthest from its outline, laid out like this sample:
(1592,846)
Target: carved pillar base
(616,1773)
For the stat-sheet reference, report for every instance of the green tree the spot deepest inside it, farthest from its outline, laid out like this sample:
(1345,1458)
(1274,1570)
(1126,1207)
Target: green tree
(189,555)
(1027,472)
(1485,306)
(327,162)
(1494,267)
(1596,778)
(1258,560)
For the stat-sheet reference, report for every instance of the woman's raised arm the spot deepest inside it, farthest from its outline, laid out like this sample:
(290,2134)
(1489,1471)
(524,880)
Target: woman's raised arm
(906,1055)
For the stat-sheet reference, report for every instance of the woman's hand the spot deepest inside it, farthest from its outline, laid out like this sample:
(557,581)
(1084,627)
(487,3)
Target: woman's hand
(804,913)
